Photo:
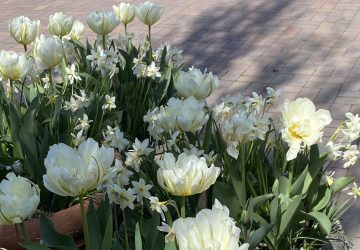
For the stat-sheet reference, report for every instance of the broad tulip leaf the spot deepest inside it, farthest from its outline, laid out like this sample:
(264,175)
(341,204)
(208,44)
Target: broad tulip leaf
(170,246)
(322,219)
(324,198)
(52,238)
(258,236)
(33,246)
(344,206)
(108,235)
(259,200)
(341,183)
(138,241)
(298,185)
(94,227)
(286,218)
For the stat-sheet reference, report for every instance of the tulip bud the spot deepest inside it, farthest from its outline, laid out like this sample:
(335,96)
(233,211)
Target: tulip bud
(60,25)
(245,218)
(48,52)
(19,199)
(149,13)
(14,66)
(102,22)
(23,30)
(125,12)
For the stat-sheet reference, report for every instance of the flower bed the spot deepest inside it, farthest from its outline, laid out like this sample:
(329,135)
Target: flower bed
(123,119)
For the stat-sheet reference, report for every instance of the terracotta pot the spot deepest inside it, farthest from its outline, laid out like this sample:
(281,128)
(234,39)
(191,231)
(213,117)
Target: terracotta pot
(67,221)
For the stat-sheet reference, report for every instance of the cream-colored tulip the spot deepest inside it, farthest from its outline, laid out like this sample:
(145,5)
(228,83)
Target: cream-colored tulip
(102,22)
(78,31)
(48,52)
(73,172)
(302,125)
(187,176)
(210,229)
(14,66)
(60,25)
(149,13)
(19,199)
(23,30)
(195,83)
(125,12)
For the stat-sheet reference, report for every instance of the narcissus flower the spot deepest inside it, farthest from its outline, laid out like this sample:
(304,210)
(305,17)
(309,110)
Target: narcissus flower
(302,125)
(102,22)
(14,66)
(19,199)
(195,83)
(23,30)
(73,172)
(149,13)
(187,175)
(210,229)
(60,25)
(125,12)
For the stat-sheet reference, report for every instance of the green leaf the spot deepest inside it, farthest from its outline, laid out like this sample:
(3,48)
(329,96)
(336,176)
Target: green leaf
(138,241)
(33,246)
(170,246)
(108,235)
(314,168)
(324,198)
(298,185)
(288,215)
(259,200)
(94,227)
(341,182)
(322,219)
(344,206)
(52,238)
(258,236)
(224,192)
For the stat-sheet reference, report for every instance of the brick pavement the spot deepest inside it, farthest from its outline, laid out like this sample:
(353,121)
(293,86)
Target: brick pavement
(308,48)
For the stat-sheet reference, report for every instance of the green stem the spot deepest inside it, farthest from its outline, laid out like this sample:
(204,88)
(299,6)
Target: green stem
(85,223)
(149,35)
(126,231)
(142,215)
(103,42)
(183,205)
(25,48)
(23,232)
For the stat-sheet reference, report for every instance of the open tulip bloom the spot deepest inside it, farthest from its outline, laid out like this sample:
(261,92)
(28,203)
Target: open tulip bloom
(121,123)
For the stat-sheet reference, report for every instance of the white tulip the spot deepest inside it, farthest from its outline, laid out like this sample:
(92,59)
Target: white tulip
(60,25)
(23,30)
(78,31)
(302,125)
(210,229)
(125,12)
(149,13)
(184,115)
(187,176)
(48,52)
(102,22)
(14,66)
(73,172)
(195,83)
(19,199)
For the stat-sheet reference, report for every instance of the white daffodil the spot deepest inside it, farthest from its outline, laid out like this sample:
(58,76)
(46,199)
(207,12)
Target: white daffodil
(134,156)
(354,191)
(84,123)
(109,103)
(141,189)
(152,71)
(115,138)
(350,156)
(121,196)
(72,75)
